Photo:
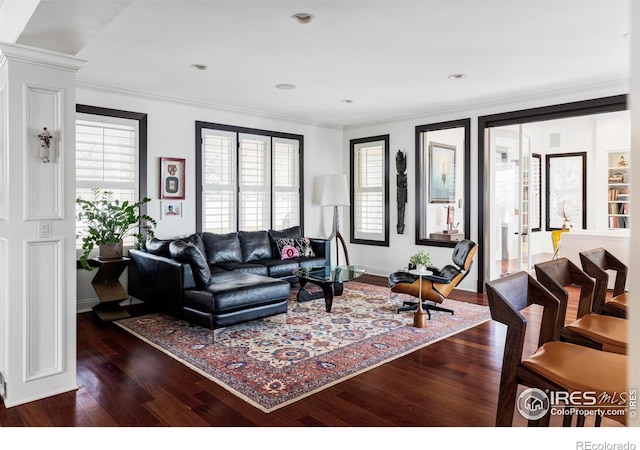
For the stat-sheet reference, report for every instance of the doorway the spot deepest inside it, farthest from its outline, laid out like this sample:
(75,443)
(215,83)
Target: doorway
(515,215)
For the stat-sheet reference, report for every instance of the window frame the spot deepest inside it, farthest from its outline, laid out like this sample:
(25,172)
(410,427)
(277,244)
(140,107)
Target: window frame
(385,189)
(141,118)
(237,130)
(419,188)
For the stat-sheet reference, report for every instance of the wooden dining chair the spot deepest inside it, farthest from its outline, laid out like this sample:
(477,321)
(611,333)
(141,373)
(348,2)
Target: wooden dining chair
(554,366)
(589,329)
(595,263)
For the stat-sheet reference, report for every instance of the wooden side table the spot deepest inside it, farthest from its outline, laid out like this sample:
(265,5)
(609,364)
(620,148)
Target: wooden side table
(420,316)
(109,289)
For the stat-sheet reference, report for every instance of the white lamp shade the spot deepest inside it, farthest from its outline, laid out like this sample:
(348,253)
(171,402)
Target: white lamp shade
(335,190)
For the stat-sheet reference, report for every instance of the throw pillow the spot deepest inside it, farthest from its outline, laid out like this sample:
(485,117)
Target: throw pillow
(158,247)
(187,252)
(294,247)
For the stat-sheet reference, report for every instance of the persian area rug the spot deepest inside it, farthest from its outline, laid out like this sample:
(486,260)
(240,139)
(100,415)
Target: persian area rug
(276,361)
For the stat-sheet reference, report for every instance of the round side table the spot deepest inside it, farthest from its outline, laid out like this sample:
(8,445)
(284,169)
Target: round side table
(420,316)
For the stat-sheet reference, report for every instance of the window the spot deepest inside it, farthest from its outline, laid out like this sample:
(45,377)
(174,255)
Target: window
(370,190)
(110,155)
(251,179)
(443,156)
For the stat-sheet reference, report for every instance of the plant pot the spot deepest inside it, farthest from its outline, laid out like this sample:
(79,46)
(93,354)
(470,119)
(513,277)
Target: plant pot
(421,267)
(108,252)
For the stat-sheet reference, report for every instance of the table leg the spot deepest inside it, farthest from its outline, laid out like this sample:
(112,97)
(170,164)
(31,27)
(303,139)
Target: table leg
(420,316)
(328,290)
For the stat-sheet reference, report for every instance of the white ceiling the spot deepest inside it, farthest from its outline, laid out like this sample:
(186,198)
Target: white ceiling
(392,58)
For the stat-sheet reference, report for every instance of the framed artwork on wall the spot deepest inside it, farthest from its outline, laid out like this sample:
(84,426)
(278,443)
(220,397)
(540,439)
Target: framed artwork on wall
(442,174)
(171,210)
(172,178)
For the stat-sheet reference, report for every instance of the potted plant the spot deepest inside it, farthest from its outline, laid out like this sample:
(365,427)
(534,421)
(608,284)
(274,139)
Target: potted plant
(420,260)
(109,221)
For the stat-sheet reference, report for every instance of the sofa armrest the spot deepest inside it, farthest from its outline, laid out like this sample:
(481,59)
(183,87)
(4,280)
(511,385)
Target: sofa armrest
(158,281)
(322,249)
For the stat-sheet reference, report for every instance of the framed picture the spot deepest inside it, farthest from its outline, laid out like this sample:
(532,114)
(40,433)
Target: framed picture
(442,173)
(172,178)
(171,210)
(566,190)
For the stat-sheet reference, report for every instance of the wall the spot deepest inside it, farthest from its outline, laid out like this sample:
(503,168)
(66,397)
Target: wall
(171,132)
(382,261)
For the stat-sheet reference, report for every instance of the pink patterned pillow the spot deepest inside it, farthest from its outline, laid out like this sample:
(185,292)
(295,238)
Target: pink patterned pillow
(294,247)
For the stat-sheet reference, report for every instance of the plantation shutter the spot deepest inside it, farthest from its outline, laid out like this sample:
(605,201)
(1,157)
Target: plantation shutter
(369,191)
(219,167)
(106,158)
(286,183)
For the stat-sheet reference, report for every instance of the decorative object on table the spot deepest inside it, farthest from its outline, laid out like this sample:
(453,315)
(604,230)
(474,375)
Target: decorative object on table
(259,362)
(171,210)
(335,192)
(420,261)
(451,213)
(108,221)
(442,173)
(401,185)
(172,178)
(45,145)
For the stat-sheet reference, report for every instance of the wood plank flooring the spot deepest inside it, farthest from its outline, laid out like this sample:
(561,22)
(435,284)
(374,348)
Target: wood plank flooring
(127,383)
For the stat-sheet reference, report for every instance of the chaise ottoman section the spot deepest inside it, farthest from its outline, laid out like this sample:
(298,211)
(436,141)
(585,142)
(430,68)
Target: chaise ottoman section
(234,297)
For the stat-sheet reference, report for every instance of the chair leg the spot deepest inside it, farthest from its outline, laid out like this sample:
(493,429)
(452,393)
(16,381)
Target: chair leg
(436,308)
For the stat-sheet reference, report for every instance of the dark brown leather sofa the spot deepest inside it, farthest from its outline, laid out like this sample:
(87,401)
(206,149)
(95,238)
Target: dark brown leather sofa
(240,278)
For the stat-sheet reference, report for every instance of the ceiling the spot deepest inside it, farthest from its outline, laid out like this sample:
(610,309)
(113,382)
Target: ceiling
(390,58)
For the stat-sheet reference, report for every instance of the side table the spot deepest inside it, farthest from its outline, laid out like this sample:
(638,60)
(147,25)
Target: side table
(109,289)
(420,316)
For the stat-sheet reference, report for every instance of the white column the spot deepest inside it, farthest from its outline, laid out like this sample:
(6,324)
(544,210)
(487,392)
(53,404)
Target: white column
(37,224)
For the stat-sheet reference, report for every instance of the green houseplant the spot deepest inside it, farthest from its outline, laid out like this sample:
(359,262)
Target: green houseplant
(420,260)
(108,222)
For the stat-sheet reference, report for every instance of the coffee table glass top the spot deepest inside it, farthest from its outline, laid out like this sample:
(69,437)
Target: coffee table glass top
(331,274)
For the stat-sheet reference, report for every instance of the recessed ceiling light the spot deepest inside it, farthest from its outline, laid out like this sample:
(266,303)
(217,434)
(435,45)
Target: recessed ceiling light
(346,100)
(302,18)
(198,67)
(285,86)
(457,76)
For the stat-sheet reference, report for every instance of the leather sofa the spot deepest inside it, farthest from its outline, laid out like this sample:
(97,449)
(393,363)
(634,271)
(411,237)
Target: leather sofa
(230,278)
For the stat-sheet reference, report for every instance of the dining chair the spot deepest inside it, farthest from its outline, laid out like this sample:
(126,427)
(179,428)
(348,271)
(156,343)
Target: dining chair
(589,329)
(554,366)
(596,263)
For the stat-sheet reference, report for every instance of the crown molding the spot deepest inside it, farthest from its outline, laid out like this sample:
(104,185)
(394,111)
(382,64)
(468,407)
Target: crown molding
(186,101)
(40,57)
(543,97)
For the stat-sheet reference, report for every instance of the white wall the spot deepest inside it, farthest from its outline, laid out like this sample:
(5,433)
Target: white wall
(171,132)
(381,260)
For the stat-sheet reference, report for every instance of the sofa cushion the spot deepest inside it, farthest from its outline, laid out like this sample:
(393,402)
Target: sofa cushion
(255,245)
(234,291)
(287,233)
(196,239)
(278,268)
(293,248)
(158,247)
(256,269)
(187,252)
(222,248)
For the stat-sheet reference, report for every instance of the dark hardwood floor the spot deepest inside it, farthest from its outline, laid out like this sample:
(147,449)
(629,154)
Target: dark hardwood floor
(127,383)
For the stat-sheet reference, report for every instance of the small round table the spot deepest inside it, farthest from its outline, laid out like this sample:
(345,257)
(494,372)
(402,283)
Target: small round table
(420,316)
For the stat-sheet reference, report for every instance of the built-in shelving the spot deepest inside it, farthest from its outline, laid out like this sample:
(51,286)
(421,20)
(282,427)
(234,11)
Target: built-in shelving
(619,199)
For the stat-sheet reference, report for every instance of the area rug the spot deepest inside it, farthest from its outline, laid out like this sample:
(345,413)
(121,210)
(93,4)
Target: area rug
(276,361)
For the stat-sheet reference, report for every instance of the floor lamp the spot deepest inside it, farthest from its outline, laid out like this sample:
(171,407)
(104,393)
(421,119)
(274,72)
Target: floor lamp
(335,192)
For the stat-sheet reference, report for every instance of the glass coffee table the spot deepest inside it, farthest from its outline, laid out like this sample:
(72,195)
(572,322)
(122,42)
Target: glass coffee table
(330,279)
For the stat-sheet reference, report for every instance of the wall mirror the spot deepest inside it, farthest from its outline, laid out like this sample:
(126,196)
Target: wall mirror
(443,155)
